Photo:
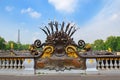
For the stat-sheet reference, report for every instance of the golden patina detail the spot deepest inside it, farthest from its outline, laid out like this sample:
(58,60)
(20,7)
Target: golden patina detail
(47,51)
(71,51)
(91,61)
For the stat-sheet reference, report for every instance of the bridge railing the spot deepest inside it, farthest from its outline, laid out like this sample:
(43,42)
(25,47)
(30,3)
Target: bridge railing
(108,63)
(103,65)
(17,65)
(12,63)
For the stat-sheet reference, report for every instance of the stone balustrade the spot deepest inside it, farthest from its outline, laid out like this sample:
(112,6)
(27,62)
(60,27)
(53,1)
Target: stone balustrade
(108,63)
(17,65)
(26,65)
(12,63)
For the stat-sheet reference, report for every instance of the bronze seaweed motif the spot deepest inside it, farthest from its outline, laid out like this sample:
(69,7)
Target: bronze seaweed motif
(59,51)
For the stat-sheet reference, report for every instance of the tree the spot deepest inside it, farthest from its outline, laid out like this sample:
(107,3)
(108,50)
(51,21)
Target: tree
(8,45)
(98,45)
(25,46)
(2,43)
(112,43)
(118,44)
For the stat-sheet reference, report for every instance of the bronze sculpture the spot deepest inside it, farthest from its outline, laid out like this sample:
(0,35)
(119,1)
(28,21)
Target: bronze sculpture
(59,51)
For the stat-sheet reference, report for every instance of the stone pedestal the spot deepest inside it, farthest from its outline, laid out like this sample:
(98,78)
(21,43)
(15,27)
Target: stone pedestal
(29,66)
(91,65)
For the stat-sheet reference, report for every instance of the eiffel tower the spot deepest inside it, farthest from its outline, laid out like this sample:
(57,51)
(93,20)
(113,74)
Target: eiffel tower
(18,37)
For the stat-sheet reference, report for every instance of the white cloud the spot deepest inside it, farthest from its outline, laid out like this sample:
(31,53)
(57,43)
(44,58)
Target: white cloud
(114,16)
(9,8)
(32,13)
(105,24)
(64,5)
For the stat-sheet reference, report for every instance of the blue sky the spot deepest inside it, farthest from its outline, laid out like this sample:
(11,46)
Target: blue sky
(95,18)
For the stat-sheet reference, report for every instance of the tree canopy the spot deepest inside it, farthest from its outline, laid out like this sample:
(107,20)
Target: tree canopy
(112,42)
(4,45)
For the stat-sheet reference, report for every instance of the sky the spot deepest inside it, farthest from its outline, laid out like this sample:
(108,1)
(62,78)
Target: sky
(96,19)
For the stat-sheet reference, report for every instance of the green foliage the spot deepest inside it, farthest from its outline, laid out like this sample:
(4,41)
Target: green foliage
(2,43)
(16,46)
(8,45)
(112,42)
(118,44)
(98,45)
(25,46)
